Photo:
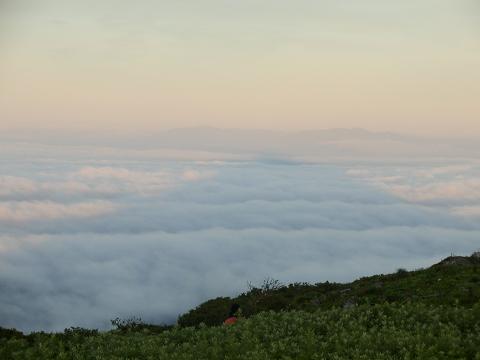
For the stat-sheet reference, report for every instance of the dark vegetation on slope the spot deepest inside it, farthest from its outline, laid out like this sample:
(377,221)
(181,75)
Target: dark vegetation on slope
(453,281)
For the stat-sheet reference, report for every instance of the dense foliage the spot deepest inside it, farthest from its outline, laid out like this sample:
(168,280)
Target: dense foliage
(454,281)
(387,331)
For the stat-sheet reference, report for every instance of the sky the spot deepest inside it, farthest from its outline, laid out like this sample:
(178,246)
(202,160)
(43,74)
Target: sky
(404,66)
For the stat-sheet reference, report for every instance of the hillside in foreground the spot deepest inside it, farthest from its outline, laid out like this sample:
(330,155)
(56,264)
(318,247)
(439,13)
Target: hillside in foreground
(455,280)
(432,313)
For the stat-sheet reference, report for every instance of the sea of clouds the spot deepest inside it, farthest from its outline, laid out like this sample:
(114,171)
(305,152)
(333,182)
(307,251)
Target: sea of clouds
(87,235)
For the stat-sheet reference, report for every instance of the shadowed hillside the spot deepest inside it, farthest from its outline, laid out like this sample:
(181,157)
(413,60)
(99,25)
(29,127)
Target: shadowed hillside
(453,281)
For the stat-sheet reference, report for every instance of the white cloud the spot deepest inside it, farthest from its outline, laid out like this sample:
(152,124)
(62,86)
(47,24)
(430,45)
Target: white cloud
(123,174)
(358,172)
(467,211)
(457,191)
(195,175)
(442,170)
(452,184)
(12,185)
(143,182)
(23,211)
(96,181)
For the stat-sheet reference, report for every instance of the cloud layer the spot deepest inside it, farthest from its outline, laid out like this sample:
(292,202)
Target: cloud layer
(85,241)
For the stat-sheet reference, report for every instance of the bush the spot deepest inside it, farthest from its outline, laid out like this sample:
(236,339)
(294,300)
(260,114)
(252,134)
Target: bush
(130,324)
(10,334)
(78,331)
(137,324)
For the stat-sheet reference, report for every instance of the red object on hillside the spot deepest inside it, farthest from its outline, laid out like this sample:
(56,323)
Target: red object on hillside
(231,320)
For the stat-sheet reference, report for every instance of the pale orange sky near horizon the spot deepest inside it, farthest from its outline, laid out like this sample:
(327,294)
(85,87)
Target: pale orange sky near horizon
(410,66)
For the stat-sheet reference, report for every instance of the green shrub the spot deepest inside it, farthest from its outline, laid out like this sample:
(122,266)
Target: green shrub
(10,334)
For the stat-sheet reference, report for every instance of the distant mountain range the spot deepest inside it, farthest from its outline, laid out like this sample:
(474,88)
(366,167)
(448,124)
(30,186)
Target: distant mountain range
(315,145)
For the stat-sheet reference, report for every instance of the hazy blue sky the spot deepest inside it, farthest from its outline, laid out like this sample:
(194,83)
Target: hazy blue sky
(408,66)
